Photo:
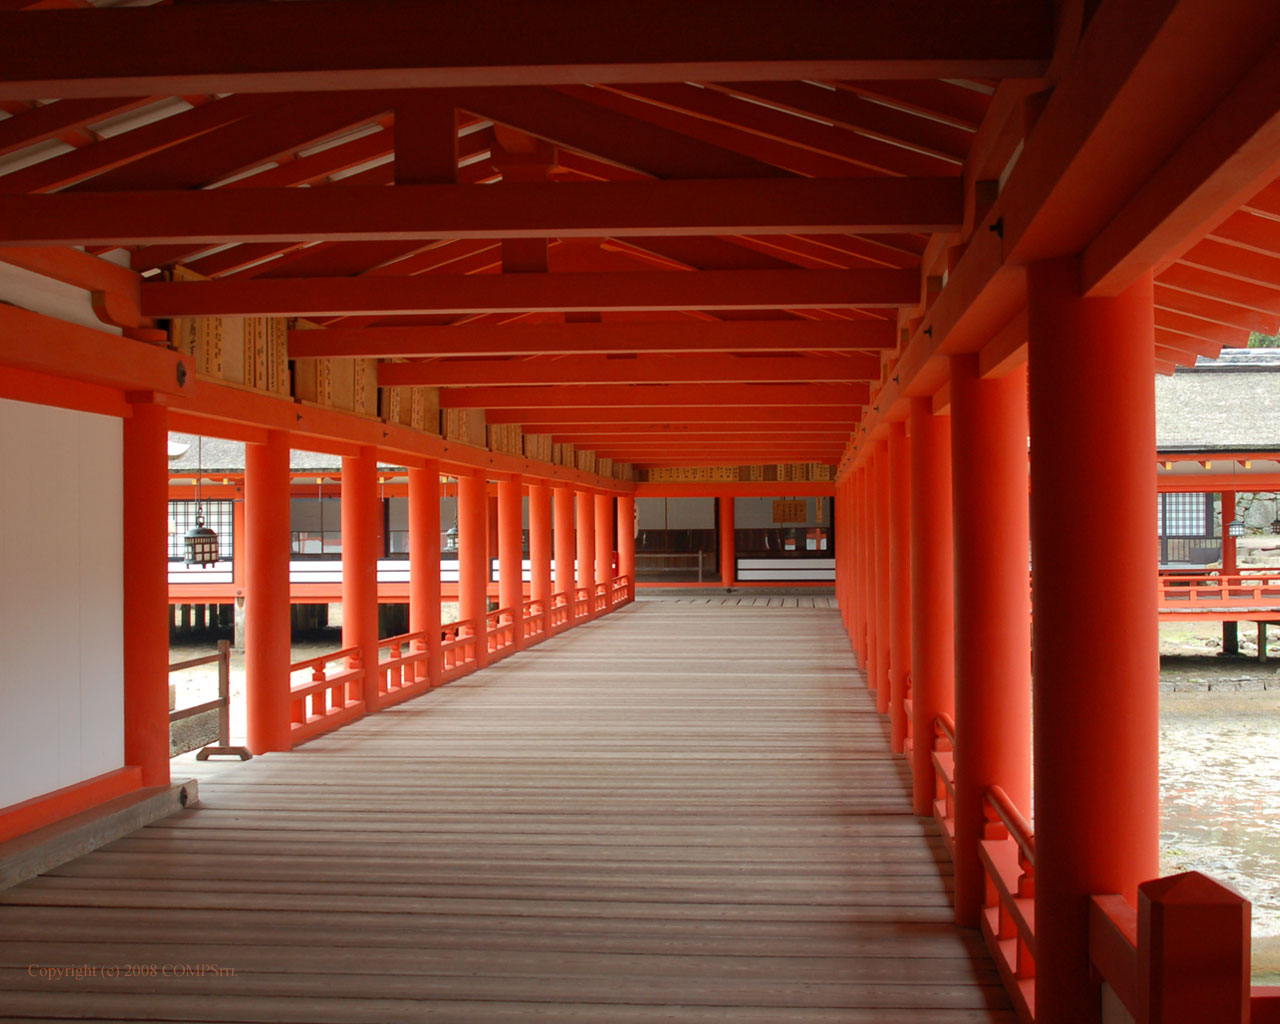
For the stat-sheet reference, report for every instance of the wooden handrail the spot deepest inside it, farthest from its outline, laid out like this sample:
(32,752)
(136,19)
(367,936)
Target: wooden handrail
(944,725)
(1012,819)
(323,659)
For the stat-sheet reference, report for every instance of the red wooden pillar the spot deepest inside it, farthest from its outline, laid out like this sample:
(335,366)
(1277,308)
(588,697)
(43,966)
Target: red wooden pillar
(540,550)
(932,592)
(1228,513)
(146,590)
(473,563)
(604,538)
(1093,492)
(511,553)
(562,498)
(728,542)
(266,587)
(362,546)
(627,538)
(992,609)
(867,572)
(899,582)
(859,583)
(880,524)
(587,548)
(424,561)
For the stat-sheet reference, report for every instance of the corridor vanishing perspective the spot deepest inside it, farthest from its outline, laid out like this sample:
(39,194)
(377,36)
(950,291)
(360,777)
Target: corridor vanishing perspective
(678,812)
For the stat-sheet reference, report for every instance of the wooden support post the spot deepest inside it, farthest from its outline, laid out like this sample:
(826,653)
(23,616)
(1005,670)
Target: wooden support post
(627,538)
(1262,641)
(267,618)
(473,565)
(866,571)
(899,582)
(880,518)
(1093,488)
(1230,637)
(863,558)
(932,592)
(540,550)
(992,612)
(728,542)
(562,503)
(424,561)
(604,538)
(511,553)
(1193,951)
(587,547)
(362,545)
(146,591)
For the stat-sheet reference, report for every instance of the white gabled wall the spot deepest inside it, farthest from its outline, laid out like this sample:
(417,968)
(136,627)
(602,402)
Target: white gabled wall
(61,582)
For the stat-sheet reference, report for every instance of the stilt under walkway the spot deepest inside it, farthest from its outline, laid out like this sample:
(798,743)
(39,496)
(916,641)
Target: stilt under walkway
(678,813)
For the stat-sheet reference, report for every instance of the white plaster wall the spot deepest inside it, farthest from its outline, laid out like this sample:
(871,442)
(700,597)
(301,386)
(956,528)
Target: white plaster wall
(61,587)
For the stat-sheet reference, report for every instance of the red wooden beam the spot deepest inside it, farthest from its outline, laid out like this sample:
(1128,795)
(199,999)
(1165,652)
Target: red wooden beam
(31,341)
(542,421)
(648,369)
(1230,155)
(588,338)
(251,47)
(668,429)
(750,396)
(525,293)
(562,210)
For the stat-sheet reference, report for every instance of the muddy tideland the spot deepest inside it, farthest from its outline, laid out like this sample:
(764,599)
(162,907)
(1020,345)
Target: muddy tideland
(1220,770)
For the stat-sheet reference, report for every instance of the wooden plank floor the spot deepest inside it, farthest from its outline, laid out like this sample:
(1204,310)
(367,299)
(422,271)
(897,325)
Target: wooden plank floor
(678,813)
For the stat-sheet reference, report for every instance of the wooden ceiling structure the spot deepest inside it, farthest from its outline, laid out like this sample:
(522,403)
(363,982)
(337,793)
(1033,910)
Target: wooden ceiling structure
(671,233)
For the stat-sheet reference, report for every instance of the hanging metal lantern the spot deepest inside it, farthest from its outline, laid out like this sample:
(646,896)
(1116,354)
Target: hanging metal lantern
(1235,528)
(200,544)
(1275,524)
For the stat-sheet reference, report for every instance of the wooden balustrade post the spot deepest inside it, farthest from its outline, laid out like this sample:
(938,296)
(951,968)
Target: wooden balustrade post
(992,613)
(362,546)
(424,562)
(563,501)
(473,564)
(932,591)
(267,619)
(587,548)
(146,590)
(864,609)
(540,550)
(511,554)
(627,541)
(1093,488)
(1193,951)
(899,582)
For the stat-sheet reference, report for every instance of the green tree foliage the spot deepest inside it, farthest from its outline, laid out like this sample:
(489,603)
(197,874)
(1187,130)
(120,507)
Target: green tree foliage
(1257,340)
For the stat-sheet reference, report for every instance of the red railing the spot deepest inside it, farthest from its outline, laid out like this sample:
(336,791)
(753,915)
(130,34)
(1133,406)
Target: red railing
(326,701)
(535,620)
(600,601)
(500,629)
(622,591)
(457,649)
(944,806)
(1185,926)
(1202,593)
(581,602)
(1008,856)
(405,671)
(559,611)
